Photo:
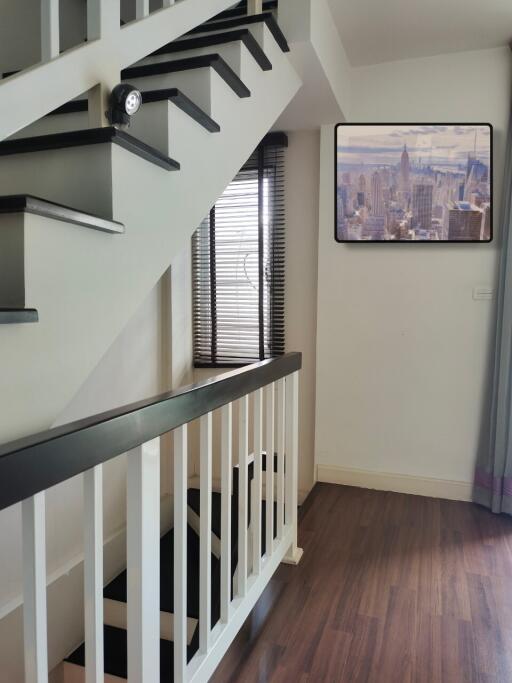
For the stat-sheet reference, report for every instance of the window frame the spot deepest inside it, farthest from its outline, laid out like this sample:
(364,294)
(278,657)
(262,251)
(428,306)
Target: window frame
(257,161)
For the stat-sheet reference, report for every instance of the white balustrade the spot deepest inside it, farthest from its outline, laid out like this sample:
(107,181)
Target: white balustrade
(205,533)
(226,494)
(93,574)
(34,589)
(243,493)
(275,430)
(50,39)
(280,457)
(256,484)
(254,6)
(180,558)
(269,479)
(143,562)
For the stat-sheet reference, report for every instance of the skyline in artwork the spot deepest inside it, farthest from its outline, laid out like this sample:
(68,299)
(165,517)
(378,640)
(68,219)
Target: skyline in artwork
(427,182)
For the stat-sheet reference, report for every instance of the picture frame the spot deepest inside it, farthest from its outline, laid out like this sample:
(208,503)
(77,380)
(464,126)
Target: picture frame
(416,183)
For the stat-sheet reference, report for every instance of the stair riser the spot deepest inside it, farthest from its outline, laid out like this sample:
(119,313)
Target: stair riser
(76,674)
(263,37)
(115,614)
(12,261)
(235,54)
(58,123)
(76,176)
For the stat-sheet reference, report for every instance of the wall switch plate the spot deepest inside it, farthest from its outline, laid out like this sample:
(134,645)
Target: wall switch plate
(483,293)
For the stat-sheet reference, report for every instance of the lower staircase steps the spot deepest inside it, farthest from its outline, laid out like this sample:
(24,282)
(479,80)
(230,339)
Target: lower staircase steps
(116,658)
(115,595)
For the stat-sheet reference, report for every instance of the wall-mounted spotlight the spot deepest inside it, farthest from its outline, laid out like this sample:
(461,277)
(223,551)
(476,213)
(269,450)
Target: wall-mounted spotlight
(125,101)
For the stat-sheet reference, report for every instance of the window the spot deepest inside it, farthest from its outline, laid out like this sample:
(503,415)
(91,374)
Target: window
(238,266)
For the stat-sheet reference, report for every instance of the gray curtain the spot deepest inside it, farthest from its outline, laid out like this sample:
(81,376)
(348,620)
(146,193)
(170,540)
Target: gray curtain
(493,474)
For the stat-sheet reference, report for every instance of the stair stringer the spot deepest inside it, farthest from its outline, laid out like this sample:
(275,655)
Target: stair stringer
(87,290)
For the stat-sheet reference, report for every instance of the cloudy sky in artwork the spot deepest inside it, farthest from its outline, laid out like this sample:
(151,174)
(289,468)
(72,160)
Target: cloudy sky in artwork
(433,144)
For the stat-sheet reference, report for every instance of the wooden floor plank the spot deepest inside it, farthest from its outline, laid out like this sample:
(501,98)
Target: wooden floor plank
(391,589)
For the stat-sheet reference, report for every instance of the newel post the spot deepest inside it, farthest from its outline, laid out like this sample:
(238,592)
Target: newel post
(292,464)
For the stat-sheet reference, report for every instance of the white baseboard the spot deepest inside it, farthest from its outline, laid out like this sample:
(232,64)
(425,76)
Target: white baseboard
(400,483)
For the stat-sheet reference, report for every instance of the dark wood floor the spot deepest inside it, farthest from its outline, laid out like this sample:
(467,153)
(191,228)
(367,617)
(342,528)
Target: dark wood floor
(391,589)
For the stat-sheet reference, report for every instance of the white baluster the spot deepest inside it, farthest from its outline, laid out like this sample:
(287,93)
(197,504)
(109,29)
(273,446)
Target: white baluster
(180,552)
(269,479)
(256,485)
(141,9)
(226,494)
(93,574)
(103,19)
(50,40)
(243,494)
(254,6)
(34,589)
(205,532)
(280,456)
(143,560)
(292,456)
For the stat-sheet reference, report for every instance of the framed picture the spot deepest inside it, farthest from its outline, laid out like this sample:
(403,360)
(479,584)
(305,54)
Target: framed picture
(411,182)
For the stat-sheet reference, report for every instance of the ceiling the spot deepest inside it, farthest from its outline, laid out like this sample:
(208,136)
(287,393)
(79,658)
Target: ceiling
(375,31)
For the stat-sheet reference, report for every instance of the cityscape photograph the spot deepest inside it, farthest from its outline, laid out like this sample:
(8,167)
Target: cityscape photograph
(412,182)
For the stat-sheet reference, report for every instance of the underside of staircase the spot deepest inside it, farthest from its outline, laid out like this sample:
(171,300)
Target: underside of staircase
(88,206)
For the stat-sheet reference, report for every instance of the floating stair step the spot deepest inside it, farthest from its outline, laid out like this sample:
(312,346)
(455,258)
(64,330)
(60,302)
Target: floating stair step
(241,10)
(213,61)
(174,95)
(25,203)
(116,656)
(215,39)
(15,316)
(228,24)
(90,136)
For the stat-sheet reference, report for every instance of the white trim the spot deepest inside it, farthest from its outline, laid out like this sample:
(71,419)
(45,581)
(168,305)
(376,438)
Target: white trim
(400,483)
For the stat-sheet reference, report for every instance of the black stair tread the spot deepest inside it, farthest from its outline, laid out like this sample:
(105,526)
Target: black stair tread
(88,136)
(183,102)
(15,316)
(241,10)
(27,203)
(117,589)
(214,39)
(193,497)
(227,24)
(214,61)
(173,94)
(116,655)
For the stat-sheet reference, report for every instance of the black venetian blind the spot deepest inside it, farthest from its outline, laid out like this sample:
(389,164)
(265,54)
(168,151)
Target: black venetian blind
(238,259)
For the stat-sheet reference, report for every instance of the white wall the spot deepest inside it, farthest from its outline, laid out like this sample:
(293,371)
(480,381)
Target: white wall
(402,348)
(301,206)
(132,369)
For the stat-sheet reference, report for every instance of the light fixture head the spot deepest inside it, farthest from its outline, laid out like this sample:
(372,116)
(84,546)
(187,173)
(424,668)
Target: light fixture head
(125,101)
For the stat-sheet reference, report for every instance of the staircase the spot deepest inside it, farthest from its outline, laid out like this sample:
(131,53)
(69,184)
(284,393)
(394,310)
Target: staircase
(90,219)
(209,97)
(115,593)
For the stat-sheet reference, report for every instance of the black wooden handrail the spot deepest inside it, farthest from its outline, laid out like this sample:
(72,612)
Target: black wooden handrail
(35,463)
